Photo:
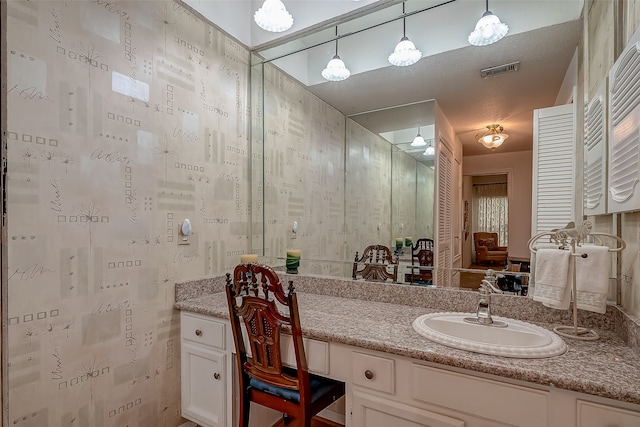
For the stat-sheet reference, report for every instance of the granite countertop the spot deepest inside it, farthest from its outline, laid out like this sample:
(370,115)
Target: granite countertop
(608,367)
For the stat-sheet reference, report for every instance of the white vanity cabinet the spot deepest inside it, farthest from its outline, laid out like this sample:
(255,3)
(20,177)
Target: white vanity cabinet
(387,390)
(391,390)
(205,370)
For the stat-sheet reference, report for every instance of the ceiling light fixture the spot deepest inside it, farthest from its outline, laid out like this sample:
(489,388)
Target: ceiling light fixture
(418,141)
(488,30)
(273,16)
(494,137)
(430,151)
(405,52)
(336,70)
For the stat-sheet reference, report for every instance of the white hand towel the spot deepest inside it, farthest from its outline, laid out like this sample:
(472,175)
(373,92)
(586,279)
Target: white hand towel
(552,285)
(592,278)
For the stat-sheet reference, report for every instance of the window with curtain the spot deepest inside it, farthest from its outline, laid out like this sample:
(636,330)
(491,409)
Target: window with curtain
(491,210)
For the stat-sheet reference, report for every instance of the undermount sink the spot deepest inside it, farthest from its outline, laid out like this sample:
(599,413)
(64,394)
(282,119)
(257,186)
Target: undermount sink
(518,339)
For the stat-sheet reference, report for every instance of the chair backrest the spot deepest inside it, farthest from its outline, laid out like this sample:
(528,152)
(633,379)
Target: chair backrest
(422,252)
(488,240)
(259,290)
(378,264)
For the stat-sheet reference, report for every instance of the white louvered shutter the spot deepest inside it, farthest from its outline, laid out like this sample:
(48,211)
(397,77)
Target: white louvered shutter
(445,202)
(553,167)
(624,131)
(595,154)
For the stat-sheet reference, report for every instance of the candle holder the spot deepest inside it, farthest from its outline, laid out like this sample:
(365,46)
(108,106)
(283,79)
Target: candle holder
(293,261)
(399,243)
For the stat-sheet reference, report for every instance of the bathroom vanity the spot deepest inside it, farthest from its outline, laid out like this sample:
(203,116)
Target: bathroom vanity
(361,333)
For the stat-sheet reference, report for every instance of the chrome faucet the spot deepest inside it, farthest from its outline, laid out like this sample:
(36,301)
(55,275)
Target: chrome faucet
(483,311)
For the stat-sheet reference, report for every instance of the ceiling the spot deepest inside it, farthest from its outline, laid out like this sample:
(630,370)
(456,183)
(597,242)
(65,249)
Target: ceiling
(543,37)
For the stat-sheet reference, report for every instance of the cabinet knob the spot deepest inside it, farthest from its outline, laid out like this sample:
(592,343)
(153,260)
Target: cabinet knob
(368,374)
(216,375)
(198,332)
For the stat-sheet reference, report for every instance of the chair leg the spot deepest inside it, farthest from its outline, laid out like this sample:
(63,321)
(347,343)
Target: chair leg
(306,420)
(245,406)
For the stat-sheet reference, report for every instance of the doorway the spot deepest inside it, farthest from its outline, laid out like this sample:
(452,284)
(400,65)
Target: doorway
(485,209)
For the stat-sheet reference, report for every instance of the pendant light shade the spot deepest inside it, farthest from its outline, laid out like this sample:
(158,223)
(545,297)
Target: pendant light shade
(430,151)
(405,52)
(418,141)
(488,30)
(336,70)
(273,16)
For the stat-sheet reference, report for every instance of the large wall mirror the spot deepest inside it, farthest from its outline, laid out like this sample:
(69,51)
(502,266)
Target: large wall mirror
(329,185)
(333,171)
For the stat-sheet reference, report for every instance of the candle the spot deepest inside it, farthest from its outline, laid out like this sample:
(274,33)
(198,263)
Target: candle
(408,241)
(293,261)
(399,242)
(293,253)
(247,258)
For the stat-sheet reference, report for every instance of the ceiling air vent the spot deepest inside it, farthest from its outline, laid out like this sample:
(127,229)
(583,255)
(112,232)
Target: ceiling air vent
(499,69)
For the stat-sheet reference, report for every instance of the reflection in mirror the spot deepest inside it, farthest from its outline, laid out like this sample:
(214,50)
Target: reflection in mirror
(318,165)
(509,282)
(345,186)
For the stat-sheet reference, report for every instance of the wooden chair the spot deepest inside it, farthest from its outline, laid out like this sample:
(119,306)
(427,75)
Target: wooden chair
(263,377)
(376,264)
(421,257)
(487,249)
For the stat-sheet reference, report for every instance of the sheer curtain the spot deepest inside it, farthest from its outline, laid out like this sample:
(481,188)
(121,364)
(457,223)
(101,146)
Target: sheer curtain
(491,210)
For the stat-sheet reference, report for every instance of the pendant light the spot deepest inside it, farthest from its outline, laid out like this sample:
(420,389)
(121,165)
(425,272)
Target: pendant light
(405,52)
(336,70)
(273,16)
(418,141)
(488,30)
(430,151)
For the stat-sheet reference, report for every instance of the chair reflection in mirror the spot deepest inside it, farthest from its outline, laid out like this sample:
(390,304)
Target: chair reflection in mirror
(487,249)
(421,262)
(376,264)
(264,310)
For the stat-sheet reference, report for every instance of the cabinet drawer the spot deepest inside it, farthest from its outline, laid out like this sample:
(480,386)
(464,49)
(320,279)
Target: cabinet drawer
(594,415)
(317,352)
(203,330)
(506,403)
(374,372)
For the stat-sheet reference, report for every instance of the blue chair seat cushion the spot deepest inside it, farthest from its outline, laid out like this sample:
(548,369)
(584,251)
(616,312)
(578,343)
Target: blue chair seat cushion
(320,387)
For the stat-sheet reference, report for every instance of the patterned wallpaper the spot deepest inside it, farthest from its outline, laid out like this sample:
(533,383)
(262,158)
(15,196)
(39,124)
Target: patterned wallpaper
(303,175)
(124,118)
(367,190)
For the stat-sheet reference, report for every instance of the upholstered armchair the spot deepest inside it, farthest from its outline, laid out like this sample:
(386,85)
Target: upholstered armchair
(487,249)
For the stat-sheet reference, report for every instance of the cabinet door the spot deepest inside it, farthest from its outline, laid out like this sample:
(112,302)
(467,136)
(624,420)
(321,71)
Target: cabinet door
(204,382)
(595,415)
(373,411)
